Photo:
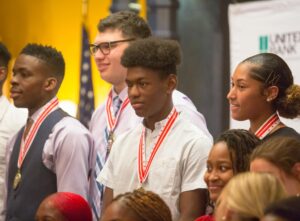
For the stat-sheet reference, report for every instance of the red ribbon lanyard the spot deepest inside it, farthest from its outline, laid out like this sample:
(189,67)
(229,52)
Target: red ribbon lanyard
(267,126)
(25,144)
(112,121)
(143,170)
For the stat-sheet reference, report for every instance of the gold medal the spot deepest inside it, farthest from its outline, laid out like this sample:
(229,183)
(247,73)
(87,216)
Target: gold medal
(110,141)
(17,179)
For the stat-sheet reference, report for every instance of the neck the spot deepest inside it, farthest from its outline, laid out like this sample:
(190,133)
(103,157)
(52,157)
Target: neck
(256,123)
(119,88)
(151,120)
(32,110)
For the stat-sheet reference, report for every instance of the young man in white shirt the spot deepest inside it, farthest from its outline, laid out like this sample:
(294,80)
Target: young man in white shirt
(116,33)
(11,118)
(165,153)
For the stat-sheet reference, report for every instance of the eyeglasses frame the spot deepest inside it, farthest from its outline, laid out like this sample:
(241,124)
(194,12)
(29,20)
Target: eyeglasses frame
(110,44)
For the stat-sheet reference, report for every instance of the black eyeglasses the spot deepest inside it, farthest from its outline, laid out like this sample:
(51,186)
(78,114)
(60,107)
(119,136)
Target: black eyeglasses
(105,47)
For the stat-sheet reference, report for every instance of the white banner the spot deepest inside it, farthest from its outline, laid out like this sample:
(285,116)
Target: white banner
(266,26)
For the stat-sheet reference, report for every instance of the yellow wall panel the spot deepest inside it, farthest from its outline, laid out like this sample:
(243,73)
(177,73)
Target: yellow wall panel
(57,23)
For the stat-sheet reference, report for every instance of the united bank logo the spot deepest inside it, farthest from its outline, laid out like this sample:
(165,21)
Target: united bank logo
(284,44)
(263,44)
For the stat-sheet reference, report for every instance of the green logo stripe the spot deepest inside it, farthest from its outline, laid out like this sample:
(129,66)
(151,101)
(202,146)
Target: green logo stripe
(263,43)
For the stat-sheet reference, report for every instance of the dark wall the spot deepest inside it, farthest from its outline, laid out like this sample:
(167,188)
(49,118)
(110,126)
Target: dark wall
(201,26)
(204,73)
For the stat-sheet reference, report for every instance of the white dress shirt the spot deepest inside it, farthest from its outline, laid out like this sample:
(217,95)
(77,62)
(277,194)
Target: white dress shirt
(129,120)
(178,165)
(11,120)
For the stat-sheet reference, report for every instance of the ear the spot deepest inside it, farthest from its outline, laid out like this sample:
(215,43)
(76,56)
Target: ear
(3,74)
(272,93)
(50,84)
(296,170)
(171,83)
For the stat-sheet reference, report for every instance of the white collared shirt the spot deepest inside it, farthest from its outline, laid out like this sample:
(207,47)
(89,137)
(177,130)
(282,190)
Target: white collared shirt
(178,166)
(11,120)
(129,120)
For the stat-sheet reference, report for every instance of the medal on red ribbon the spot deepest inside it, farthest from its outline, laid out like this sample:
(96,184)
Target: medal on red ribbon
(112,120)
(26,143)
(143,165)
(267,126)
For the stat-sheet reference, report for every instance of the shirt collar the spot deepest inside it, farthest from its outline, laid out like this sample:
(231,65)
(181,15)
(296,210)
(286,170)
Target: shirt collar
(122,95)
(36,114)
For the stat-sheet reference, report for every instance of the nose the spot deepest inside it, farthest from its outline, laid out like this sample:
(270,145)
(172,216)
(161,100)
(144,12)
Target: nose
(231,94)
(213,175)
(133,91)
(98,55)
(14,79)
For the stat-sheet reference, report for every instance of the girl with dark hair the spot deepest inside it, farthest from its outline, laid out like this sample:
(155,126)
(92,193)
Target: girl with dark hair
(228,157)
(262,88)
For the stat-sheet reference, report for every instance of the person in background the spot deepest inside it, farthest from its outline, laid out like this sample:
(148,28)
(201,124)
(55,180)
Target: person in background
(229,156)
(281,157)
(262,87)
(167,152)
(283,210)
(11,118)
(53,152)
(247,195)
(116,115)
(139,205)
(64,206)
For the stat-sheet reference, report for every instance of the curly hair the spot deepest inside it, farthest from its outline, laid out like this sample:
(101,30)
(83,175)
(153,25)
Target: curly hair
(4,55)
(147,205)
(240,144)
(50,56)
(129,23)
(153,53)
(283,152)
(272,70)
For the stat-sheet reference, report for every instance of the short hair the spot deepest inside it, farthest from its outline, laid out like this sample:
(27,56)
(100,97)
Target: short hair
(72,206)
(5,56)
(287,209)
(248,194)
(147,205)
(51,56)
(129,23)
(272,70)
(240,144)
(153,53)
(283,152)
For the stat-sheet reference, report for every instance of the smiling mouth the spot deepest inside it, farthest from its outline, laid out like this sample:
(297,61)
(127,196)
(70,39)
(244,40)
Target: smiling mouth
(102,67)
(214,188)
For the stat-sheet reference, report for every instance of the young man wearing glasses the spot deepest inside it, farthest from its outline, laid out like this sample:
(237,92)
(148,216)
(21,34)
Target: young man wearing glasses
(116,116)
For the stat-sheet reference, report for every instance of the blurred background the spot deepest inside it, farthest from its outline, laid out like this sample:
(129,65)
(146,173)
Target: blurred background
(201,26)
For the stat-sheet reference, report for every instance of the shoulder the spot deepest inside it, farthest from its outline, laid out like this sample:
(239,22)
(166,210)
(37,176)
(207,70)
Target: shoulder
(205,218)
(99,111)
(191,136)
(284,131)
(70,126)
(13,118)
(180,99)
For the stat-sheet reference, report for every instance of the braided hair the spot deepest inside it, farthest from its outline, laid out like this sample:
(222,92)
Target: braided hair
(240,144)
(146,205)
